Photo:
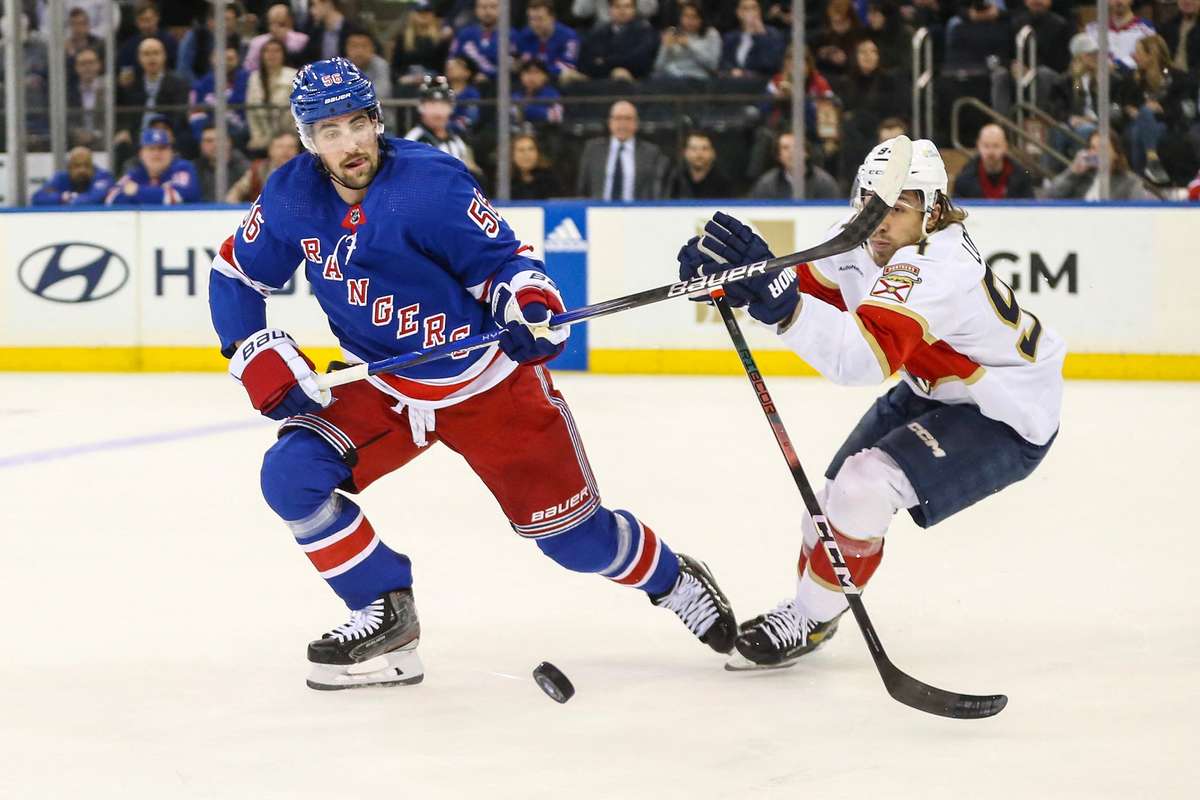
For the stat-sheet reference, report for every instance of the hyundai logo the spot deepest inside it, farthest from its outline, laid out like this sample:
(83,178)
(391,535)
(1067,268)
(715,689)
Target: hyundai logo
(73,272)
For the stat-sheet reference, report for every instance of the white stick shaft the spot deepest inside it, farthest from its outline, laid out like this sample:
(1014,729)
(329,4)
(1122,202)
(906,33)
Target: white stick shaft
(342,376)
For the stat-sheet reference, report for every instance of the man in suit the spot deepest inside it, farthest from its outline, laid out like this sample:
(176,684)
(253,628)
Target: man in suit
(156,88)
(619,167)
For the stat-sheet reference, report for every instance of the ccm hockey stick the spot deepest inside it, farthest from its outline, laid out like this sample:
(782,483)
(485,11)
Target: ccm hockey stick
(904,688)
(855,232)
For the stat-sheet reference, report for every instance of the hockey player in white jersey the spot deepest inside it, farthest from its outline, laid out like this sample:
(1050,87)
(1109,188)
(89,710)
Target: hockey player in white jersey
(976,409)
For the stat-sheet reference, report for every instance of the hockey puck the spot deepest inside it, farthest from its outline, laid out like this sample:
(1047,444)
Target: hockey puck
(550,680)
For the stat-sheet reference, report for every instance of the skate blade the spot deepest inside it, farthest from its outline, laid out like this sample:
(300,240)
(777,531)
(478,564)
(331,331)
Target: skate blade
(398,668)
(740,663)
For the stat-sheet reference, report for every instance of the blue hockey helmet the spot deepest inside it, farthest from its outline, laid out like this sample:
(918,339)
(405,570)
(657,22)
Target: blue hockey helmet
(331,88)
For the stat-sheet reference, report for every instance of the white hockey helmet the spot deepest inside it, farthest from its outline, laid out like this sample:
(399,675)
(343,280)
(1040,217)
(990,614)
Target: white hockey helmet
(926,173)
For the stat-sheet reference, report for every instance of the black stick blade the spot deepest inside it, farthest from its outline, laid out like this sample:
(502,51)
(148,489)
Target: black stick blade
(923,697)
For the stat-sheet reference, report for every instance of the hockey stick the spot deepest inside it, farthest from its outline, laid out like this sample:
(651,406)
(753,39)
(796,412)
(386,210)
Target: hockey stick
(854,233)
(904,688)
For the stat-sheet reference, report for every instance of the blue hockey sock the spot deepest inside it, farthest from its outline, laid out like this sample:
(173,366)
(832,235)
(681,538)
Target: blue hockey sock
(619,547)
(299,476)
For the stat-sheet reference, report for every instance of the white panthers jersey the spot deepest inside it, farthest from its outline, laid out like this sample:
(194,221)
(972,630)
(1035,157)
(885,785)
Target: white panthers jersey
(938,316)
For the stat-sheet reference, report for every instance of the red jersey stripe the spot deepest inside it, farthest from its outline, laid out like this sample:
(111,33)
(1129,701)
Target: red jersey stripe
(812,282)
(432,392)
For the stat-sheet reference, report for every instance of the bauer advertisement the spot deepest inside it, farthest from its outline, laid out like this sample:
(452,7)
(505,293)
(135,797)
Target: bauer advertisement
(128,290)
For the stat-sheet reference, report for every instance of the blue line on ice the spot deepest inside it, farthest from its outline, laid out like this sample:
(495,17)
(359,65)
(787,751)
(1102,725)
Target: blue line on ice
(58,453)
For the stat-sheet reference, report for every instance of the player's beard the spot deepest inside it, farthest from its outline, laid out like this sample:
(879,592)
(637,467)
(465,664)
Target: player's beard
(360,175)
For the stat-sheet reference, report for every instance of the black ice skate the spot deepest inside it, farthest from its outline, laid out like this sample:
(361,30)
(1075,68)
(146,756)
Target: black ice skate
(377,647)
(699,602)
(779,638)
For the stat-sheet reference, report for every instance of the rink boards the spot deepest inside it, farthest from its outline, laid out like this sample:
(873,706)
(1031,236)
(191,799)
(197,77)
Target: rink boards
(122,290)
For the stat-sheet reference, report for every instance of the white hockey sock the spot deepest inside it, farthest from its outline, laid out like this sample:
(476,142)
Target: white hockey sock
(817,601)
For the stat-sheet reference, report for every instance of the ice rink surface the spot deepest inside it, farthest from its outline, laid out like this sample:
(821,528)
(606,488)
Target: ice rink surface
(156,613)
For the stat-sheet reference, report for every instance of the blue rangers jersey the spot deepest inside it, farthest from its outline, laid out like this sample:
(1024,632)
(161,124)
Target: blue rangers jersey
(410,267)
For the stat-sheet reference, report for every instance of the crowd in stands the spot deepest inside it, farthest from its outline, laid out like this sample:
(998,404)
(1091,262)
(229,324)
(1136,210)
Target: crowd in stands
(623,100)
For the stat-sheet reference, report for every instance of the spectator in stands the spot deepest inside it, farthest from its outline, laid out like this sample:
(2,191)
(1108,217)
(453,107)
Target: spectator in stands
(236,164)
(281,26)
(460,74)
(434,109)
(992,174)
(203,101)
(361,50)
(196,46)
(35,69)
(621,167)
(531,179)
(698,175)
(535,85)
(1079,181)
(869,87)
(753,49)
(890,33)
(599,12)
(480,42)
(327,30)
(86,99)
(835,39)
(776,183)
(157,88)
(156,122)
(1159,102)
(1182,35)
(1052,34)
(80,36)
(268,96)
(691,50)
(147,19)
(101,14)
(621,49)
(82,183)
(1073,96)
(890,128)
(547,40)
(982,31)
(1124,30)
(869,93)
(284,146)
(160,177)
(421,46)
(822,114)
(979,54)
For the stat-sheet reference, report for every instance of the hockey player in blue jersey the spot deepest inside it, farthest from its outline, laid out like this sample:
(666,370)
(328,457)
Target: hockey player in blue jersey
(403,251)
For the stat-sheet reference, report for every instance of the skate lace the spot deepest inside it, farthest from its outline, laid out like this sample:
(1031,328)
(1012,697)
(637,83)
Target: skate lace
(786,627)
(692,604)
(363,622)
